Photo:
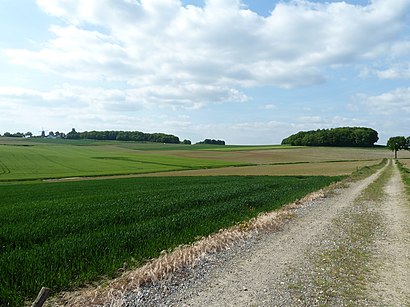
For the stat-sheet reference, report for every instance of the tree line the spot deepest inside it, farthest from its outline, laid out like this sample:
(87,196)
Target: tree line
(29,134)
(212,142)
(112,135)
(135,136)
(343,136)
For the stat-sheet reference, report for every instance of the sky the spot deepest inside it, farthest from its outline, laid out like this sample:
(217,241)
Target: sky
(247,72)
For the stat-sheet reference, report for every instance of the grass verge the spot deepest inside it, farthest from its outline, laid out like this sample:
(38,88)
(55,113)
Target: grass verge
(405,175)
(366,171)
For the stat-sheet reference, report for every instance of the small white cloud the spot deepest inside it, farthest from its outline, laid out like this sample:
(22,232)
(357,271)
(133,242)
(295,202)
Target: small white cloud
(397,71)
(270,106)
(394,102)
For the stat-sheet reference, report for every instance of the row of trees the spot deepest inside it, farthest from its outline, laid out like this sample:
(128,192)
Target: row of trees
(51,134)
(397,143)
(135,136)
(16,135)
(344,136)
(212,142)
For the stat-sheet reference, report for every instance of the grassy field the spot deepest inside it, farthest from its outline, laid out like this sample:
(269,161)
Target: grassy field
(62,235)
(35,160)
(31,159)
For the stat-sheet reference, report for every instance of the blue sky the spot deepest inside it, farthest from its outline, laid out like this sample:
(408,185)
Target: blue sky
(248,72)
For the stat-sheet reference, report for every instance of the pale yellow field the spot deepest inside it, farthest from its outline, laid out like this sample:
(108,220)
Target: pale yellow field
(305,154)
(406,162)
(325,169)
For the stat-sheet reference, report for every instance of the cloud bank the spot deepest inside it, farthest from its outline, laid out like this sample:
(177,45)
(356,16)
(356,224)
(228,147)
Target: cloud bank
(219,48)
(164,54)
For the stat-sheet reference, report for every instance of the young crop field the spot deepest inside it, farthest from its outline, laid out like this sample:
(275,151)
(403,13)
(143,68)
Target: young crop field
(63,235)
(31,159)
(25,160)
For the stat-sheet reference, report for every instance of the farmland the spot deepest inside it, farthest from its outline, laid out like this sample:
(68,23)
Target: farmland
(29,160)
(65,234)
(32,159)
(406,162)
(287,169)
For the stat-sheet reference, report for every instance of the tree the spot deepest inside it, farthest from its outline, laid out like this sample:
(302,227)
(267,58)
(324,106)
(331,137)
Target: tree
(397,143)
(73,134)
(212,142)
(186,142)
(343,136)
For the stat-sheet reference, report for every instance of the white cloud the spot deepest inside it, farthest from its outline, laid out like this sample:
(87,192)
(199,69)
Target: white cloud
(184,96)
(314,122)
(269,106)
(397,71)
(163,49)
(393,102)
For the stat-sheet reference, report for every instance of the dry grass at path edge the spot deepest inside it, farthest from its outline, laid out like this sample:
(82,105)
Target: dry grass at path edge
(186,255)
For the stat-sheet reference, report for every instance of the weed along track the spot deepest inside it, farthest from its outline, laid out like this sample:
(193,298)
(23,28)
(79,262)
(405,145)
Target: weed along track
(330,253)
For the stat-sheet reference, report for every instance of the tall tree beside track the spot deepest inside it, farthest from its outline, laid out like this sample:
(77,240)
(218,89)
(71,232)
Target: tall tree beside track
(397,143)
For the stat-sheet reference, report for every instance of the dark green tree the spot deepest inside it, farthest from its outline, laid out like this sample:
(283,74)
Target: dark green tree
(343,136)
(397,143)
(212,142)
(73,134)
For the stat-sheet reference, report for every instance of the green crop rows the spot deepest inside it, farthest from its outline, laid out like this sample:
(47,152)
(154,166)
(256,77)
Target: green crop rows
(30,160)
(62,235)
